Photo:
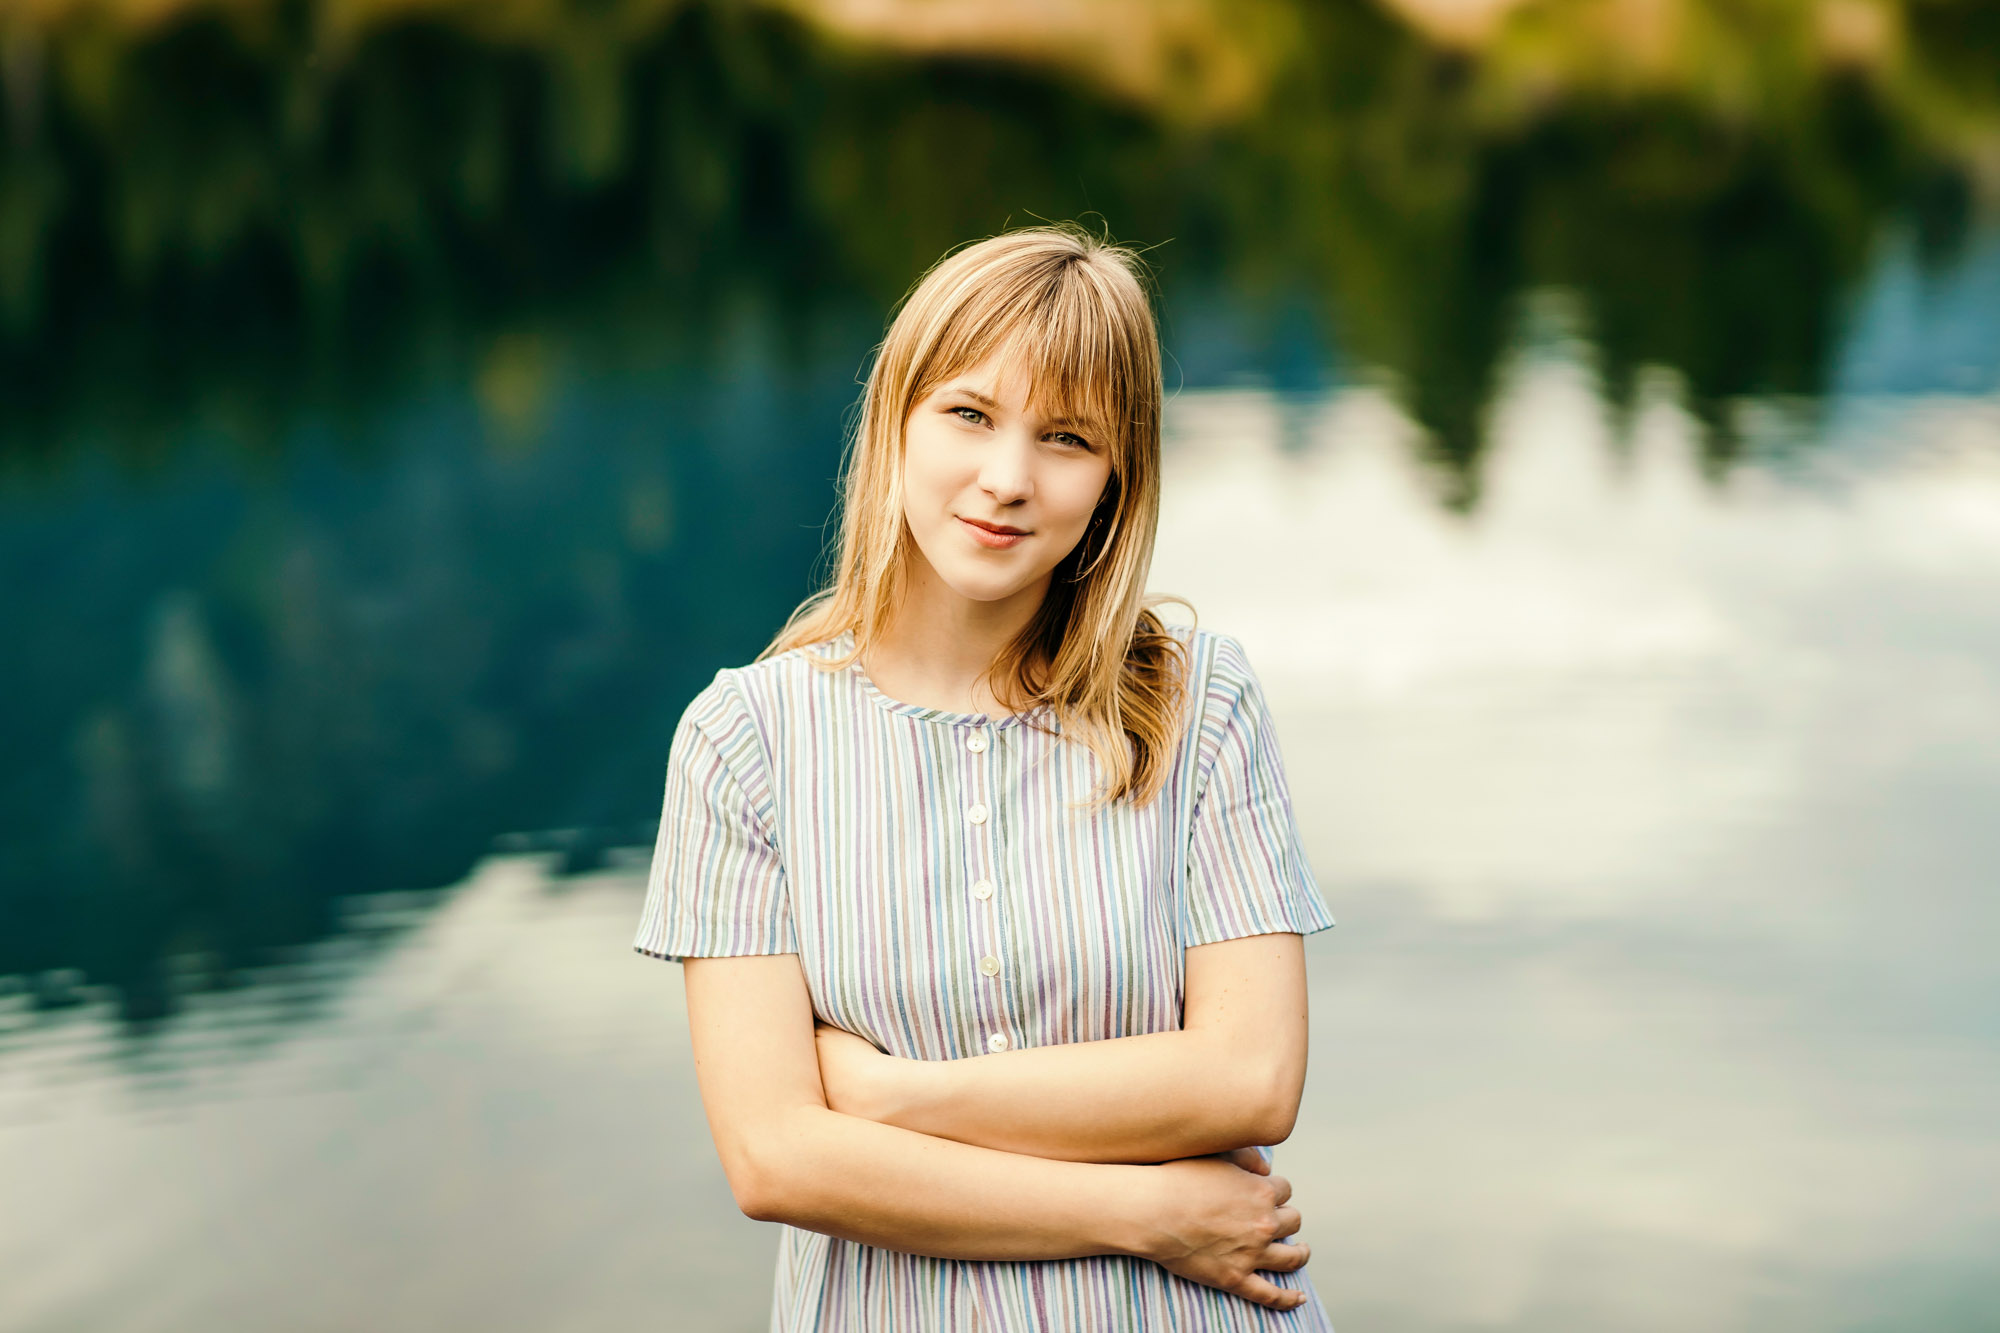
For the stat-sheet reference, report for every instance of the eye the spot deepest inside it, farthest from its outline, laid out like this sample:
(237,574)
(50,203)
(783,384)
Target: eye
(976,416)
(1076,441)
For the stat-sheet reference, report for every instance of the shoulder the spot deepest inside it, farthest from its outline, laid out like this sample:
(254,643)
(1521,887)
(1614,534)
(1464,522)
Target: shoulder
(755,686)
(743,706)
(1225,700)
(731,719)
(1218,666)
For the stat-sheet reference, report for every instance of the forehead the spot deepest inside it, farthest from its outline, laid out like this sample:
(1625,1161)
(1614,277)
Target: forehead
(999,376)
(1012,381)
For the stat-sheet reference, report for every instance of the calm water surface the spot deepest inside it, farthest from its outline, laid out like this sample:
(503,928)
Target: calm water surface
(1656,813)
(1608,497)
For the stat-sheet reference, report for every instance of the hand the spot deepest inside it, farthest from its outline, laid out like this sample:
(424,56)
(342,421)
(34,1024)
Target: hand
(1247,1158)
(853,1074)
(1223,1217)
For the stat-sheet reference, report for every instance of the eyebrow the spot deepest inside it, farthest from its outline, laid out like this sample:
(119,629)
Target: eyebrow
(984,401)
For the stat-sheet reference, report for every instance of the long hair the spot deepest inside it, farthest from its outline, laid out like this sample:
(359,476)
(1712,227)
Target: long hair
(1072,310)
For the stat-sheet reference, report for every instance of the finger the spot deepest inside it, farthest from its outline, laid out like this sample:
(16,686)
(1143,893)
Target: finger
(1289,1221)
(1283,1186)
(1266,1292)
(1282,1258)
(1250,1160)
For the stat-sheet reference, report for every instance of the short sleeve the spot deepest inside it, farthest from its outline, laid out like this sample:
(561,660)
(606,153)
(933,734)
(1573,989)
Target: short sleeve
(717,884)
(1246,872)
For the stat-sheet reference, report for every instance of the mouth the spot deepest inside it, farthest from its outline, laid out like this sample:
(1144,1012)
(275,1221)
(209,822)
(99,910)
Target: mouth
(1000,528)
(993,536)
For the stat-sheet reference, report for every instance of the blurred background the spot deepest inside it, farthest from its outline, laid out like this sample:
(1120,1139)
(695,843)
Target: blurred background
(1587,413)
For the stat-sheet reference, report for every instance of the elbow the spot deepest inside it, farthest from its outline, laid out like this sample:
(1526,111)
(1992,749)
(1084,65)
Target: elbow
(775,1165)
(1272,1123)
(756,1198)
(757,1180)
(1271,1110)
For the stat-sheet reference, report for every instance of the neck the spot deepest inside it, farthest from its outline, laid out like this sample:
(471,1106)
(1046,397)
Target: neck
(939,642)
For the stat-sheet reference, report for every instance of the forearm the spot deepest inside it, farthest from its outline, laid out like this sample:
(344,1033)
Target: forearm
(898,1189)
(1145,1098)
(1230,1077)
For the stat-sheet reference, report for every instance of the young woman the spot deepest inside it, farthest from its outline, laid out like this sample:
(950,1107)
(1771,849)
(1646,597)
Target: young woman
(986,879)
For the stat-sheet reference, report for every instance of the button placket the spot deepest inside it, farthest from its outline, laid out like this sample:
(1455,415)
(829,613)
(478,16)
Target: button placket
(984,933)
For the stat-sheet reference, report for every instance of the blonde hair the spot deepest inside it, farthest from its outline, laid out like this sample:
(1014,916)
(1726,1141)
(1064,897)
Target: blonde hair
(1073,311)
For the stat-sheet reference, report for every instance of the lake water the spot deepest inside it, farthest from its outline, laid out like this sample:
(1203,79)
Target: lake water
(1626,589)
(1657,815)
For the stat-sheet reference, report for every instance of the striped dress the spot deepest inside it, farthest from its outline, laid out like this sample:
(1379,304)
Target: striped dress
(944,903)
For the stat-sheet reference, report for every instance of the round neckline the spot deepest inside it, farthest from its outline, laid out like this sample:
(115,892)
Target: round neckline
(845,643)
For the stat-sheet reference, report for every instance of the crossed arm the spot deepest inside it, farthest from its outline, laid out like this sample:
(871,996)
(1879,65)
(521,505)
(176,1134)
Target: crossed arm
(1027,1154)
(1230,1078)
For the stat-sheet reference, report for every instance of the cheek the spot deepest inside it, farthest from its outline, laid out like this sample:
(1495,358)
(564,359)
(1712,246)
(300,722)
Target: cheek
(935,481)
(926,467)
(1082,499)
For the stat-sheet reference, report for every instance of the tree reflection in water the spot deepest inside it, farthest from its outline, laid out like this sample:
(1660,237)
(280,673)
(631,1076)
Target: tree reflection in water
(403,418)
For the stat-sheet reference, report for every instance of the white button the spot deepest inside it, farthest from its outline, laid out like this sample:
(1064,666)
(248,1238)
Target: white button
(990,965)
(976,813)
(997,1042)
(983,890)
(976,742)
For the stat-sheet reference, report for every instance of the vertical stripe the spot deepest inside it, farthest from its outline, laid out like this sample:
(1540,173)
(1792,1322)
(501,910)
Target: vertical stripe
(807,812)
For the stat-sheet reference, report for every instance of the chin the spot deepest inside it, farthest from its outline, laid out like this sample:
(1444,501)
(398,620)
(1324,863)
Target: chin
(983,585)
(978,590)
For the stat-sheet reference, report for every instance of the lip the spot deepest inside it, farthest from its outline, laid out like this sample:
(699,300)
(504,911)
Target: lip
(991,538)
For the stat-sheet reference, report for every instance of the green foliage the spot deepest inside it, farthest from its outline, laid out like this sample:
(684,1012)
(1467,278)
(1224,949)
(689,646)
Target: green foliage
(233,220)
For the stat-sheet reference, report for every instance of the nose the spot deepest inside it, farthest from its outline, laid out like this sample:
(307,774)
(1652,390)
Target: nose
(1006,472)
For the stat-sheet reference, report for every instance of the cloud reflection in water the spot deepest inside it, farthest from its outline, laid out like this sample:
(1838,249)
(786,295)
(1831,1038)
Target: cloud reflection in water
(1657,817)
